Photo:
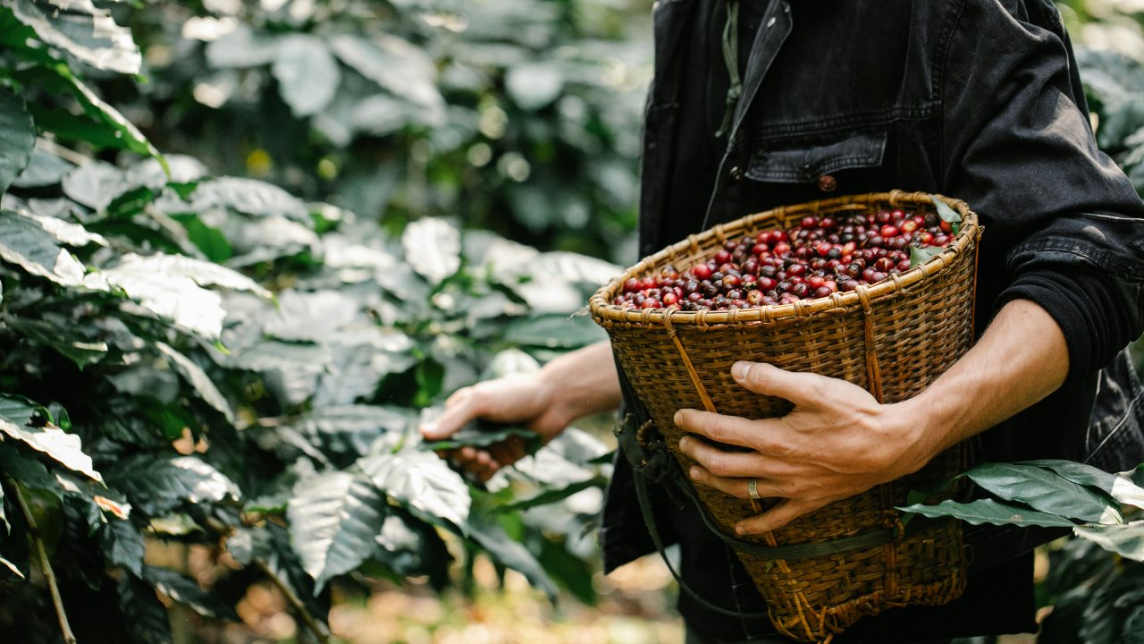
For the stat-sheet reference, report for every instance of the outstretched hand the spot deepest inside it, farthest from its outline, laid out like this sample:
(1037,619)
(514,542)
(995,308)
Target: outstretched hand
(838,441)
(525,399)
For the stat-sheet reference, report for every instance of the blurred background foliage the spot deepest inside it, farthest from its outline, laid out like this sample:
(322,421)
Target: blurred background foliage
(520,117)
(256,241)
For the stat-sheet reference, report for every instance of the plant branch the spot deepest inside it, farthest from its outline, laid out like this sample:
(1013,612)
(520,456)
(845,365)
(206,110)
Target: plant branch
(46,565)
(315,627)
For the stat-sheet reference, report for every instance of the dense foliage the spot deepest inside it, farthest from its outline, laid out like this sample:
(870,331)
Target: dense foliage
(520,117)
(208,359)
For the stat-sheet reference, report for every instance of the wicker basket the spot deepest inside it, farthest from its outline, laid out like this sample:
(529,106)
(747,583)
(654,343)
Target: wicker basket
(893,338)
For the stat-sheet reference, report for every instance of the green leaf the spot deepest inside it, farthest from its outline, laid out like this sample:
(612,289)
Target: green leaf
(504,550)
(209,240)
(66,449)
(17,137)
(350,429)
(422,482)
(548,497)
(1045,491)
(159,485)
(141,608)
(122,130)
(433,248)
(333,520)
(44,169)
(198,379)
(186,591)
(1126,540)
(307,74)
(410,547)
(944,211)
(555,332)
(242,48)
(923,254)
(395,65)
(249,196)
(68,342)
(34,244)
(122,545)
(1124,487)
(172,287)
(81,29)
(482,433)
(989,511)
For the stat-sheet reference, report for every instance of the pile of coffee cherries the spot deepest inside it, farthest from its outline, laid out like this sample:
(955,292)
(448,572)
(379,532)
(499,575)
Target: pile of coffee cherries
(819,256)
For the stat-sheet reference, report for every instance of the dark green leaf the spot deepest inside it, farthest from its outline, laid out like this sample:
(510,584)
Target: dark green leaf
(551,496)
(423,482)
(990,511)
(1125,540)
(334,518)
(256,198)
(483,433)
(81,29)
(185,591)
(62,447)
(568,570)
(209,240)
(945,212)
(158,485)
(505,551)
(411,547)
(11,567)
(68,342)
(122,545)
(34,244)
(198,379)
(1045,491)
(17,137)
(141,608)
(350,429)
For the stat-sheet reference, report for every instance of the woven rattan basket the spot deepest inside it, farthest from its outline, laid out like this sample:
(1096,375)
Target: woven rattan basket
(892,338)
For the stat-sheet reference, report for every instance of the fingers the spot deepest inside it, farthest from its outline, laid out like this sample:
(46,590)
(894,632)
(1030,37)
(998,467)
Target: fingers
(736,486)
(729,430)
(724,463)
(778,516)
(477,462)
(761,378)
(461,408)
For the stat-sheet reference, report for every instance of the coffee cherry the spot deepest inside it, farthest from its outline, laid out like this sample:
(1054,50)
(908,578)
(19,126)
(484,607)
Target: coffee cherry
(702,271)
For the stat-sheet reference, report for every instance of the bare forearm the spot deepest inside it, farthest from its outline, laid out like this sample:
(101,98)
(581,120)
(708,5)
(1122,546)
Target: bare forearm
(583,382)
(1021,358)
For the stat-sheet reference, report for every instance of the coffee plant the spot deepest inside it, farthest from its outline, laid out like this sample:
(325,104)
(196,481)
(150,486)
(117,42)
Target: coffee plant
(202,359)
(519,117)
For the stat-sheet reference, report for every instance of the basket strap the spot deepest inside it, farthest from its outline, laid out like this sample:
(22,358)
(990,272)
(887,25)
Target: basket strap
(653,532)
(798,551)
(695,380)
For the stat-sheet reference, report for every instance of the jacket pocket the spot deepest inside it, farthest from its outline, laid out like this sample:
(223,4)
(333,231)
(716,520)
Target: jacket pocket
(807,159)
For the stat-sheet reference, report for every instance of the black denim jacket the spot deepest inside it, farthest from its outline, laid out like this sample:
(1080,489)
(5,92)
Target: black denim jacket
(976,99)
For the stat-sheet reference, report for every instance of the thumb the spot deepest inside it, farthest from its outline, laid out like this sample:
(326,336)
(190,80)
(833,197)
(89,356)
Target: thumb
(461,408)
(768,380)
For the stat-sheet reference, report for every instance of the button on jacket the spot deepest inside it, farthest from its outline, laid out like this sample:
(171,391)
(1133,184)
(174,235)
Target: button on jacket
(975,99)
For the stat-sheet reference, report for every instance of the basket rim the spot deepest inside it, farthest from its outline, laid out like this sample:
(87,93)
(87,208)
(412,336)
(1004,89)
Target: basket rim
(602,309)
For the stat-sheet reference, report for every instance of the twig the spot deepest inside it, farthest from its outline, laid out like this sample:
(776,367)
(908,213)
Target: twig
(49,574)
(311,623)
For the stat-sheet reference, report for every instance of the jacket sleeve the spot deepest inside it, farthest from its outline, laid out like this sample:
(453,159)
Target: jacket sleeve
(1062,221)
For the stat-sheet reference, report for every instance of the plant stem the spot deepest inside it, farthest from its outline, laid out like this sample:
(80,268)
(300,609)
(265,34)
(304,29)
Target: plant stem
(46,565)
(311,623)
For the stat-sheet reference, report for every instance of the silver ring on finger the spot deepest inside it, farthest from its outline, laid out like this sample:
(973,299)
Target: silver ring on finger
(753,488)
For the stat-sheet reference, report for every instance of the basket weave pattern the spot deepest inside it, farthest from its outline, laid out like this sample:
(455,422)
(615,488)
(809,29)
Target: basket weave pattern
(893,339)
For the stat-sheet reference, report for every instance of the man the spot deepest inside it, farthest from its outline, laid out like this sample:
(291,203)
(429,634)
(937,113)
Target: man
(757,103)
